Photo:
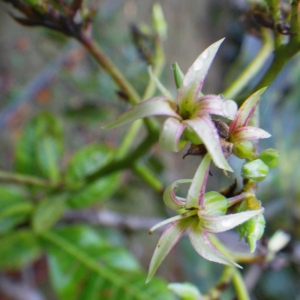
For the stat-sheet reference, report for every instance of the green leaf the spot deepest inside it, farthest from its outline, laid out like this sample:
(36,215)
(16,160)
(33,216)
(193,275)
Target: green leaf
(14,208)
(48,156)
(40,147)
(83,265)
(48,212)
(97,191)
(86,161)
(18,249)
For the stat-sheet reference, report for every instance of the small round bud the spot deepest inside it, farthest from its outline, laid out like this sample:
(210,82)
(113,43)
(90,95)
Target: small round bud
(255,170)
(270,157)
(243,150)
(215,204)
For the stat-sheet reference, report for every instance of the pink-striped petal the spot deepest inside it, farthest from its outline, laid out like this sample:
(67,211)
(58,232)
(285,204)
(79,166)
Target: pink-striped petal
(151,107)
(206,130)
(217,224)
(203,245)
(246,111)
(169,238)
(170,134)
(194,78)
(248,133)
(195,196)
(215,105)
(170,198)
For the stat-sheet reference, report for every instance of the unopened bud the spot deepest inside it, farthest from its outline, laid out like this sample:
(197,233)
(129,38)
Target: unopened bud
(159,22)
(255,170)
(215,204)
(252,230)
(270,157)
(244,150)
(178,75)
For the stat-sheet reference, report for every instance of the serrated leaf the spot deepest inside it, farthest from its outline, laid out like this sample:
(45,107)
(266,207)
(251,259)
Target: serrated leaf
(14,208)
(40,146)
(48,212)
(88,160)
(18,249)
(84,266)
(96,191)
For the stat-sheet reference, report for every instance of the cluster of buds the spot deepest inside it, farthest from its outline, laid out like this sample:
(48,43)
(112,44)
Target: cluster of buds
(190,119)
(69,18)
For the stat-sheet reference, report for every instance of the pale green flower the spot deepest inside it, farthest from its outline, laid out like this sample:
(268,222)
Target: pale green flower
(189,116)
(201,214)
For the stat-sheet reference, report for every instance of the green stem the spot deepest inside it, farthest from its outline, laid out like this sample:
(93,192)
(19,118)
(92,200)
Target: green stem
(274,7)
(239,285)
(215,292)
(127,161)
(129,138)
(253,68)
(17,209)
(158,64)
(283,53)
(148,177)
(92,264)
(109,67)
(24,179)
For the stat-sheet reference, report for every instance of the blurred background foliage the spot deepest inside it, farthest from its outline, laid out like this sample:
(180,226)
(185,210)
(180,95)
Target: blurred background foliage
(54,100)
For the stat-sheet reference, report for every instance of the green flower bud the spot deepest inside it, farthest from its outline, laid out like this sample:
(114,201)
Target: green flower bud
(270,157)
(178,75)
(244,149)
(252,230)
(215,204)
(256,170)
(159,22)
(190,135)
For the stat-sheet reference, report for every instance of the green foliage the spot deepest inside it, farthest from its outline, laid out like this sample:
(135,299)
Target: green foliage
(39,149)
(18,249)
(85,162)
(14,208)
(83,265)
(48,212)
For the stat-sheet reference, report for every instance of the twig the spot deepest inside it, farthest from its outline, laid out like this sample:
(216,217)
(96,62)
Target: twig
(111,219)
(23,179)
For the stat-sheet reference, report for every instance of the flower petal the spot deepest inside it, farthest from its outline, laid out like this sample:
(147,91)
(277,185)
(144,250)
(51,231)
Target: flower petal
(215,105)
(151,107)
(246,111)
(194,78)
(223,223)
(206,130)
(231,109)
(170,199)
(169,238)
(195,196)
(170,134)
(248,133)
(203,245)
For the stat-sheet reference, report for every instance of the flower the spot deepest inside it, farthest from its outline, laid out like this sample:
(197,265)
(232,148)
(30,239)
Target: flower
(188,116)
(240,133)
(201,214)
